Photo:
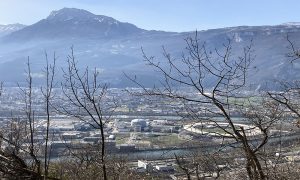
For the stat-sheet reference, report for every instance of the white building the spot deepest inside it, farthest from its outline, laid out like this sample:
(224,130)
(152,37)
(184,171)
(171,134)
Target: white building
(144,164)
(138,124)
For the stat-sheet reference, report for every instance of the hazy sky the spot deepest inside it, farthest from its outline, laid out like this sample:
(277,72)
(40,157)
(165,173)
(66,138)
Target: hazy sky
(171,15)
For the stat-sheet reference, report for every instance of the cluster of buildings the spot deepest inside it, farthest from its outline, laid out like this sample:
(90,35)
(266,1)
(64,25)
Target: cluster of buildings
(70,134)
(151,166)
(144,125)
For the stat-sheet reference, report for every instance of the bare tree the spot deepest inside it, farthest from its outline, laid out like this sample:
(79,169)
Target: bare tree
(25,161)
(290,90)
(217,78)
(28,98)
(12,162)
(14,157)
(199,165)
(289,94)
(86,95)
(48,93)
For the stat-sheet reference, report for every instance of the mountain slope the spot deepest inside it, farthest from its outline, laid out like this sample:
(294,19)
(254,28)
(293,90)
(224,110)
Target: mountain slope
(114,47)
(9,28)
(74,23)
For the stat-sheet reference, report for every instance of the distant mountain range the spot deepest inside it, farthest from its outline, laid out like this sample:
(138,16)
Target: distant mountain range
(7,29)
(114,47)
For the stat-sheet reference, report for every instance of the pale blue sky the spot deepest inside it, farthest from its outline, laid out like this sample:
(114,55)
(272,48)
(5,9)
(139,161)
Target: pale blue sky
(170,15)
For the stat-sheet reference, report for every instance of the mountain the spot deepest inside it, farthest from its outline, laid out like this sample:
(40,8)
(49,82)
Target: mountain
(114,47)
(9,28)
(74,23)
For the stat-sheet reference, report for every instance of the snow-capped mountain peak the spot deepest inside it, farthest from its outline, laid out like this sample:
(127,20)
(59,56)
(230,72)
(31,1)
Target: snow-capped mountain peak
(79,15)
(9,28)
(75,23)
(69,13)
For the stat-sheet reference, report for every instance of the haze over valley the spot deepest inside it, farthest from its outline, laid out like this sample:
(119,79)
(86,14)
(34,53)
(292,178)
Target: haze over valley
(114,47)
